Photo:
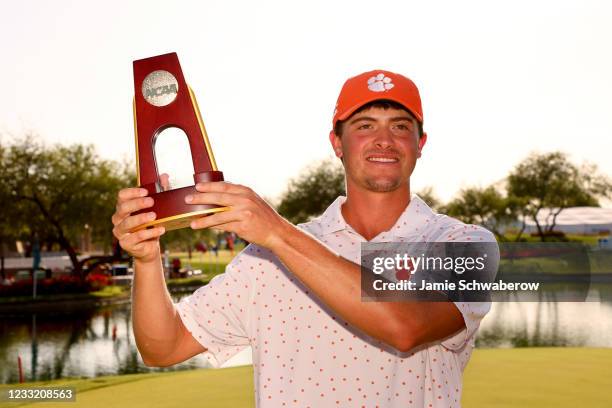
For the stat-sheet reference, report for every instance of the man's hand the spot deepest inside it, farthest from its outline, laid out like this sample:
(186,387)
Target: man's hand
(144,244)
(249,215)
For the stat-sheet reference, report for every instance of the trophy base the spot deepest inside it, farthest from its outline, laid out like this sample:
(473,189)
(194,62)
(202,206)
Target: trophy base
(172,211)
(180,220)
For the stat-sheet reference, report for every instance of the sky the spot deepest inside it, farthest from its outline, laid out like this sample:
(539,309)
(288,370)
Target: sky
(498,80)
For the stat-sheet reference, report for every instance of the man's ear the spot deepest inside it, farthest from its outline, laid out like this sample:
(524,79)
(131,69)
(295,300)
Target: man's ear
(336,143)
(422,141)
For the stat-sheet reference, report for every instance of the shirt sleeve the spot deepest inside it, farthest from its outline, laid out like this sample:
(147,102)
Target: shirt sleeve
(472,312)
(217,315)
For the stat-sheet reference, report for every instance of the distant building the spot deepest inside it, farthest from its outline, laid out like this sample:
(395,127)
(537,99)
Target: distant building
(576,220)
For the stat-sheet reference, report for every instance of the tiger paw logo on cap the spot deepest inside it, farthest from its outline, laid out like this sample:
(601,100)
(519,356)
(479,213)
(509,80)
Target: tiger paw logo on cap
(380,83)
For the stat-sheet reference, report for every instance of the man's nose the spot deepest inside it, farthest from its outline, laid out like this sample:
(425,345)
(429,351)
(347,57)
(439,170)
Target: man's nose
(384,138)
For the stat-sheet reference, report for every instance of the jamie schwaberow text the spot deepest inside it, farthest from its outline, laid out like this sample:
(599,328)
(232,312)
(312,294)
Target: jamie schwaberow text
(463,285)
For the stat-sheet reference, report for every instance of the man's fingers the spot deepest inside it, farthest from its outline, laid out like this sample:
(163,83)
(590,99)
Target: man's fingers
(222,187)
(131,193)
(215,220)
(131,240)
(123,196)
(164,179)
(134,221)
(224,199)
(126,208)
(227,227)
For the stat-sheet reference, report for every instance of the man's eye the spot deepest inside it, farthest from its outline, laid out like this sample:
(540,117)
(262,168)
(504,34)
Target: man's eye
(364,126)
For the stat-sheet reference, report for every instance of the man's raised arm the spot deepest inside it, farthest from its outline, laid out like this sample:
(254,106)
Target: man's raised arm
(161,337)
(333,279)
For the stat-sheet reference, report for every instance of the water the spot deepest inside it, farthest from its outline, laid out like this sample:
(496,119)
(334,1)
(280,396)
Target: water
(89,343)
(547,324)
(83,343)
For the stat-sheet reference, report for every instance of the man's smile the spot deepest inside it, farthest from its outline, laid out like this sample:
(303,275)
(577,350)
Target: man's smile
(380,158)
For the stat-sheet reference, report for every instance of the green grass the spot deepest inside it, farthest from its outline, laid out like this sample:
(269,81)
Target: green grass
(539,377)
(228,387)
(110,291)
(106,292)
(209,265)
(189,282)
(224,257)
(587,239)
(526,378)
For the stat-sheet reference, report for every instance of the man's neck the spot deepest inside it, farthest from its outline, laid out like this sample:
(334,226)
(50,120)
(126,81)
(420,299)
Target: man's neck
(370,213)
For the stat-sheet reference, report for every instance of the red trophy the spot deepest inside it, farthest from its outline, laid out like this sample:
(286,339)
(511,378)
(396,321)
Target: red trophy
(163,100)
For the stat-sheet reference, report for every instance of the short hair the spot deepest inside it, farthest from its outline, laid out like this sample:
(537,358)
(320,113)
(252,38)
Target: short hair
(382,104)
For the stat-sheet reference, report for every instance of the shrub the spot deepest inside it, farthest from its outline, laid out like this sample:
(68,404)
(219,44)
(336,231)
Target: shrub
(56,286)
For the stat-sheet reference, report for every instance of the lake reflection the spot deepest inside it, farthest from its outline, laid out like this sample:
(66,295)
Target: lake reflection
(86,343)
(90,343)
(547,324)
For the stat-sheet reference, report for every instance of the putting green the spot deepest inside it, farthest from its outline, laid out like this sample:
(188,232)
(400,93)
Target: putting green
(539,377)
(531,377)
(228,387)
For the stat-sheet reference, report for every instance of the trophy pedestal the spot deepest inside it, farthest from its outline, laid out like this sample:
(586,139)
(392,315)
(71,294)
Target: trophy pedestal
(171,209)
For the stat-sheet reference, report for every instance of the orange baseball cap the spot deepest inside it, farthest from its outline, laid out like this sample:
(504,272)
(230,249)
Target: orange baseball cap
(375,85)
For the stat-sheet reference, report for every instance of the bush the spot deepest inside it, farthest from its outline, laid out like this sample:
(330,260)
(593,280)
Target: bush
(56,286)
(97,280)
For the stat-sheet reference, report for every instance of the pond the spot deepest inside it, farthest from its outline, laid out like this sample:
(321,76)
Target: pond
(95,342)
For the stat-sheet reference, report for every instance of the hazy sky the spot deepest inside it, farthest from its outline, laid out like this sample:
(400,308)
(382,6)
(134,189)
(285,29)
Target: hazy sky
(498,79)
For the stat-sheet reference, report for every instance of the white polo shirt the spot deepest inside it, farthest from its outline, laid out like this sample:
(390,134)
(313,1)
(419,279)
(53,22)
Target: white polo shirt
(304,355)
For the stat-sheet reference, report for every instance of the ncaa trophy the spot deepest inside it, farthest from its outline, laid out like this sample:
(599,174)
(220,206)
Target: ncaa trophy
(162,99)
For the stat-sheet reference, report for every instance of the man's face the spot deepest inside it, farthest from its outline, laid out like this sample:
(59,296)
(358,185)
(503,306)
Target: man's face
(379,148)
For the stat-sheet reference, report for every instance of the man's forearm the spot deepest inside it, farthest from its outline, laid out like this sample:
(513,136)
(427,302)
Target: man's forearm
(333,279)
(337,282)
(155,320)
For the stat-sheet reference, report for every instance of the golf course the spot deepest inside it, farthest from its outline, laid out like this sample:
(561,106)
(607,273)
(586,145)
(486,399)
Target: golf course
(523,377)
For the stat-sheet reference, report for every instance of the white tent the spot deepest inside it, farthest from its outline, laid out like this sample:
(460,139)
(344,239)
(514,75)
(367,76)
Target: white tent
(576,220)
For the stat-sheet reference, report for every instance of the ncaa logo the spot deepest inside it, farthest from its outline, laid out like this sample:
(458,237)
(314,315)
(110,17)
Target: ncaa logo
(160,88)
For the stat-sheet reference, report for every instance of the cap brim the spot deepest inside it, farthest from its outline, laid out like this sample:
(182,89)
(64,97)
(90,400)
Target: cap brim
(352,110)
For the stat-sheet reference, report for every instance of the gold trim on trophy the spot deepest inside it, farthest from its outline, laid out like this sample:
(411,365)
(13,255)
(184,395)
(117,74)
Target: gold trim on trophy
(136,141)
(196,107)
(180,220)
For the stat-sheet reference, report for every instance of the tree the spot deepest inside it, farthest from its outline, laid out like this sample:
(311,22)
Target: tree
(551,181)
(312,191)
(483,206)
(60,189)
(8,212)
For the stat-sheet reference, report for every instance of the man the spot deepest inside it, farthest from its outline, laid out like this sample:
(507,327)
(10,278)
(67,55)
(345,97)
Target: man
(294,294)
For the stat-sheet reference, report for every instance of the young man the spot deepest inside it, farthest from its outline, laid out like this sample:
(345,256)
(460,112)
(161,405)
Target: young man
(294,294)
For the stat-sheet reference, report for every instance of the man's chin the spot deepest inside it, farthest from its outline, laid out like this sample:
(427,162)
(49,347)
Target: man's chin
(383,185)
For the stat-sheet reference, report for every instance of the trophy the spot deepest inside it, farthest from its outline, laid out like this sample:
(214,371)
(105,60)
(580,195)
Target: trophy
(163,100)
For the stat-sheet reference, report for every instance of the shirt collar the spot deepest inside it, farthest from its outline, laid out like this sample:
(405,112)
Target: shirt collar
(412,222)
(332,220)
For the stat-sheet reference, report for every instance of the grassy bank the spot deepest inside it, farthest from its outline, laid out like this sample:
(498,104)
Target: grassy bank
(539,377)
(107,292)
(526,378)
(229,387)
